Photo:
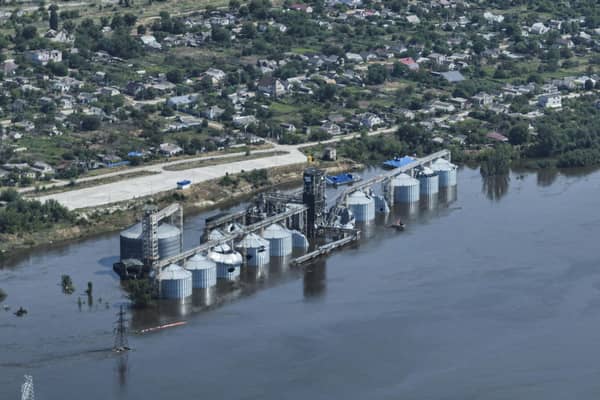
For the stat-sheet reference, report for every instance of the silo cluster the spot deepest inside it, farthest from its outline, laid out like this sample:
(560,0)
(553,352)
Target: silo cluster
(175,282)
(255,250)
(280,240)
(204,271)
(131,242)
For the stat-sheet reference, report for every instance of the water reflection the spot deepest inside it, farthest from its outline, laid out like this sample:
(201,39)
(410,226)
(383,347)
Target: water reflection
(448,194)
(546,177)
(278,266)
(406,210)
(495,187)
(429,203)
(315,279)
(255,274)
(202,298)
(122,370)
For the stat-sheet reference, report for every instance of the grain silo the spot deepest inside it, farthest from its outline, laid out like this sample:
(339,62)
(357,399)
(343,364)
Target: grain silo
(175,282)
(228,264)
(362,206)
(204,271)
(428,181)
(131,241)
(280,240)
(381,205)
(254,249)
(405,189)
(446,172)
(299,240)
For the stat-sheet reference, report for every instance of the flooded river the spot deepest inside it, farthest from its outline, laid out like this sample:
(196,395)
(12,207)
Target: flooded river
(493,296)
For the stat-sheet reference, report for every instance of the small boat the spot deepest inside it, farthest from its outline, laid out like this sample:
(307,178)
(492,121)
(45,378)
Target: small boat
(398,225)
(341,179)
(156,328)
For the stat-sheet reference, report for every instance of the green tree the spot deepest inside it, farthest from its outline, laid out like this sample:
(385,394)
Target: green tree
(518,134)
(53,21)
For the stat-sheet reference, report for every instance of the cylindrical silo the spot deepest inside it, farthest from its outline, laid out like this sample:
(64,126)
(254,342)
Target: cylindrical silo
(299,240)
(405,189)
(169,241)
(255,250)
(228,264)
(381,205)
(175,282)
(280,240)
(446,172)
(362,206)
(428,181)
(204,271)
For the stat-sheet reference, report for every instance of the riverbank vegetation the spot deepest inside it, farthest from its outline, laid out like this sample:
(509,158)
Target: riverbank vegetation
(2,295)
(18,215)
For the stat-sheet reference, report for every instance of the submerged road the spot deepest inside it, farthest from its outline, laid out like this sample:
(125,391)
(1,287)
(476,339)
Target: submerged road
(164,180)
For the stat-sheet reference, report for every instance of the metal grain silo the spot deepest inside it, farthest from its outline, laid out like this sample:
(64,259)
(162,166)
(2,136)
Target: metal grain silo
(175,282)
(362,206)
(446,172)
(280,240)
(381,205)
(299,240)
(228,264)
(204,271)
(428,181)
(131,242)
(405,189)
(254,249)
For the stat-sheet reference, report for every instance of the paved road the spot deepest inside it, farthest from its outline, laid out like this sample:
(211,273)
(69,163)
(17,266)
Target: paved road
(141,186)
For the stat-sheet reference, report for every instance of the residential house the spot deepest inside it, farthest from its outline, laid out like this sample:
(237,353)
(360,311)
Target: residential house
(150,42)
(216,76)
(213,112)
(538,28)
(355,58)
(178,102)
(301,7)
(244,120)
(370,120)
(331,128)
(550,100)
(497,137)
(413,19)
(9,67)
(410,63)
(329,154)
(271,86)
(42,169)
(483,99)
(288,128)
(134,88)
(169,149)
(43,57)
(493,18)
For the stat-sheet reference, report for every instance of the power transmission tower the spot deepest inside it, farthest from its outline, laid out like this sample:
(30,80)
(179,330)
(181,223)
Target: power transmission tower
(121,343)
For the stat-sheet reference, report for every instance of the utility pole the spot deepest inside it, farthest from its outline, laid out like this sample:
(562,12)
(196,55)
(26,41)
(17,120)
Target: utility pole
(27,389)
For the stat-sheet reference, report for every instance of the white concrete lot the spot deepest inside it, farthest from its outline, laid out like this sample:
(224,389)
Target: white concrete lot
(142,186)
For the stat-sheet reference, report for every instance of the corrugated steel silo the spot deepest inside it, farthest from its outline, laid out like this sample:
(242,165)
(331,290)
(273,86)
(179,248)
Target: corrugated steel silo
(255,250)
(362,206)
(299,240)
(405,189)
(280,240)
(131,242)
(204,271)
(228,264)
(175,282)
(428,181)
(446,172)
(381,205)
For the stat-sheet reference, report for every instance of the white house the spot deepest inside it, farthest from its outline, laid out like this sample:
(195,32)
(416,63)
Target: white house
(538,28)
(43,57)
(550,101)
(169,149)
(493,18)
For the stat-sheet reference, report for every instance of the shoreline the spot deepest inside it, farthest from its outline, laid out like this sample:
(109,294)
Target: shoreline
(202,197)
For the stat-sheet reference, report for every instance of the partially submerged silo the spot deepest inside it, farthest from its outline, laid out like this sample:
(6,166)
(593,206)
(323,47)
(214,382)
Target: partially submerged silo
(446,172)
(428,181)
(131,241)
(255,250)
(204,271)
(280,240)
(175,282)
(405,189)
(362,206)
(299,240)
(228,264)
